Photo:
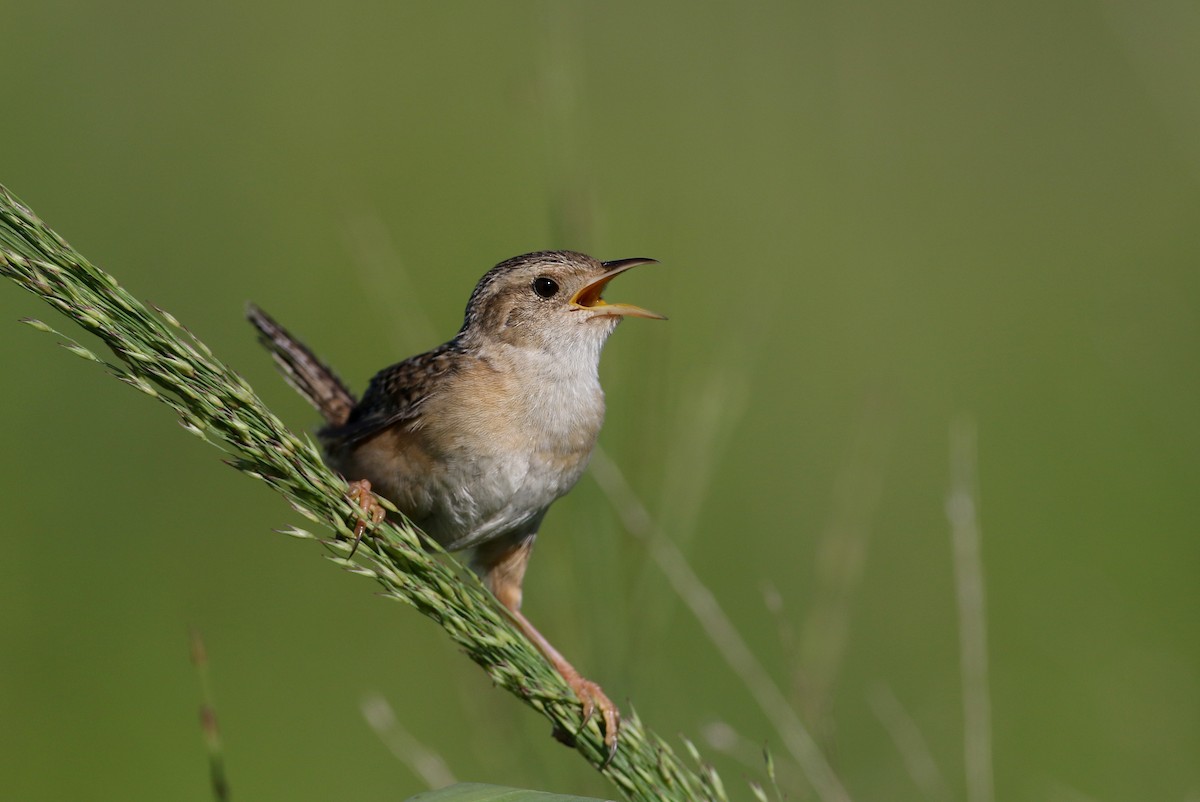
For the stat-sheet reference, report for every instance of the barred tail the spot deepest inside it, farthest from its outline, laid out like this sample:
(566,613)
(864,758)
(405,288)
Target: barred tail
(307,374)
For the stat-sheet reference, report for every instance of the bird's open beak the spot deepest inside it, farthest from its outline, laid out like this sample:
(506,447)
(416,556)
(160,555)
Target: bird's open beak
(589,296)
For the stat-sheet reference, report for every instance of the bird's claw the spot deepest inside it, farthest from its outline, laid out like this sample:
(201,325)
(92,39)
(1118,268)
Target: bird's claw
(372,512)
(594,699)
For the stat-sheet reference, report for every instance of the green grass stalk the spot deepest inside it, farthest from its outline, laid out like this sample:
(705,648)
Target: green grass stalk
(155,354)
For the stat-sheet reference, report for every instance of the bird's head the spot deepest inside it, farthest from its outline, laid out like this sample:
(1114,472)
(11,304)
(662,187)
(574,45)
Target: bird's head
(551,300)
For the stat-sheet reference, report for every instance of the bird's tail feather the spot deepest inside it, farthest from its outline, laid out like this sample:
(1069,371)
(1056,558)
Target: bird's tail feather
(308,375)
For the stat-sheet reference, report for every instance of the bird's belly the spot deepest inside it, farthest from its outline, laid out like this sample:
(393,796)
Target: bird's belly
(468,496)
(499,496)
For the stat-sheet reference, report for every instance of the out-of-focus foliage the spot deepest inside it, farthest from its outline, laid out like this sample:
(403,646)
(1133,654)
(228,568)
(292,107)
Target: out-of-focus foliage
(873,218)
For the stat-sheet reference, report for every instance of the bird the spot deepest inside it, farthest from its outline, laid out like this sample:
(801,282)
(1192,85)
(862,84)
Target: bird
(474,440)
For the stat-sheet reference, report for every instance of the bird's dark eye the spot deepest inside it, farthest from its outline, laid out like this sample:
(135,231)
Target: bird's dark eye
(545,287)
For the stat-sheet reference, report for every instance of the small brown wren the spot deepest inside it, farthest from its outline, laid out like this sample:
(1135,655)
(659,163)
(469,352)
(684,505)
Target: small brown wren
(474,440)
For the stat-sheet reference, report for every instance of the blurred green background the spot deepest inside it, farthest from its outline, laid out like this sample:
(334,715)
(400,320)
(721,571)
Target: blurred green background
(874,219)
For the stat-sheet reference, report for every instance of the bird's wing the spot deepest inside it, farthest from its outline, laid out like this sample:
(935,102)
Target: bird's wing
(396,394)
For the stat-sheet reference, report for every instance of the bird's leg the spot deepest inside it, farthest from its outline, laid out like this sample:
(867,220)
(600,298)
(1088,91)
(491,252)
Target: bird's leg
(589,693)
(502,566)
(372,511)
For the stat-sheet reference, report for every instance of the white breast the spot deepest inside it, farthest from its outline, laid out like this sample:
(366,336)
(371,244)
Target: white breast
(524,445)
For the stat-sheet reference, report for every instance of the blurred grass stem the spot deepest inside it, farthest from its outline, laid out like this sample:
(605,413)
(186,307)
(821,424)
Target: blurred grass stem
(913,749)
(841,555)
(720,630)
(218,779)
(423,761)
(961,509)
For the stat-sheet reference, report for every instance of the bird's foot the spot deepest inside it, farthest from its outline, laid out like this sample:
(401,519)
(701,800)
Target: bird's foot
(502,566)
(595,700)
(372,512)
